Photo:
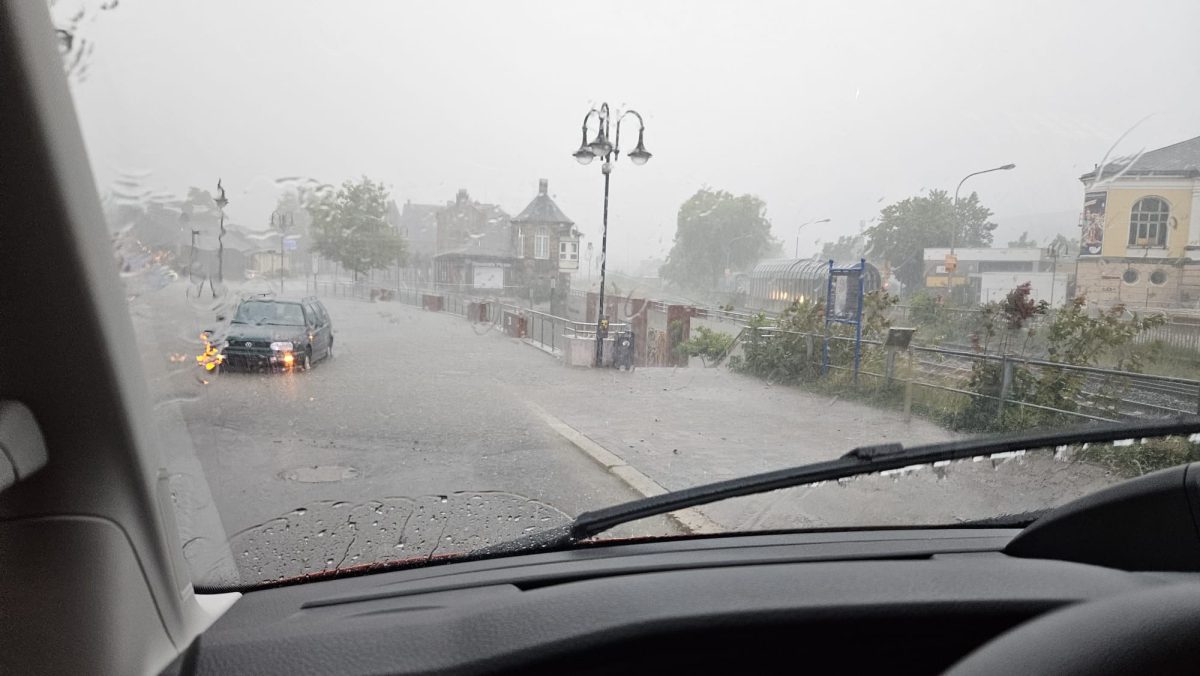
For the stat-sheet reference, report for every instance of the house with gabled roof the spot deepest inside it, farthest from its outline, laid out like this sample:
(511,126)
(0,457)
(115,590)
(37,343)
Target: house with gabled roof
(546,243)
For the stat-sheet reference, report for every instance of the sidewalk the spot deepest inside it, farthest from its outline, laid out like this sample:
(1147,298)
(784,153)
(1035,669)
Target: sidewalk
(685,427)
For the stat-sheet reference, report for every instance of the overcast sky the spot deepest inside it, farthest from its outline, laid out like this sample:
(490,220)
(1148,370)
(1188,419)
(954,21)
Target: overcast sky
(824,110)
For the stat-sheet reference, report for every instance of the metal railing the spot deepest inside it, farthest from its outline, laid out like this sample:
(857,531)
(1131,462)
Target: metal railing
(552,332)
(1085,392)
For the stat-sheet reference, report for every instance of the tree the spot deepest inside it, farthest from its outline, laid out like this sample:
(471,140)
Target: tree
(847,249)
(716,230)
(1065,245)
(906,228)
(1023,242)
(348,226)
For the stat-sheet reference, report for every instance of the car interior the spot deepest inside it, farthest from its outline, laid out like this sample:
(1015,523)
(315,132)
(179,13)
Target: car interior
(94,581)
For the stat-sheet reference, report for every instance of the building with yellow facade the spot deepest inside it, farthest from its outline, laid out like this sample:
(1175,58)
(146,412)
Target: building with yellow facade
(1140,231)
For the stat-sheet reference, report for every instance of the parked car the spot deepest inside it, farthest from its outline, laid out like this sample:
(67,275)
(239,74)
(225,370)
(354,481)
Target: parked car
(269,333)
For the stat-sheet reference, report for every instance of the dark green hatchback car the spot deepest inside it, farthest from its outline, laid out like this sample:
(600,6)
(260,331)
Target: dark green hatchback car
(269,333)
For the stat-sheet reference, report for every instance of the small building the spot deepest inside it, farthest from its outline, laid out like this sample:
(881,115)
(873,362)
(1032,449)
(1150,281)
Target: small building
(546,244)
(1140,230)
(474,249)
(990,273)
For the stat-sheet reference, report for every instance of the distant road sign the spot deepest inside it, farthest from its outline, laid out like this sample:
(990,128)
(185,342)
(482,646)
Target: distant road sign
(289,244)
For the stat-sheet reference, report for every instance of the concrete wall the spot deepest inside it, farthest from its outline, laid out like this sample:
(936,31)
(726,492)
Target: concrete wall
(1103,281)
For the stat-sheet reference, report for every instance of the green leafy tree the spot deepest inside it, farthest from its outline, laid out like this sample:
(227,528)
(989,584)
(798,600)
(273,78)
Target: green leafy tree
(348,226)
(1024,242)
(908,227)
(716,230)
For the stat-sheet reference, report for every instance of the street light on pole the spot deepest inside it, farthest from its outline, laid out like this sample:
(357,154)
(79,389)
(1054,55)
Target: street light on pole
(282,221)
(589,259)
(957,224)
(801,227)
(609,152)
(729,249)
(221,202)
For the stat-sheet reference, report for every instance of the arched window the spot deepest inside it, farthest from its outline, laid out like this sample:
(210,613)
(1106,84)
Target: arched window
(1148,222)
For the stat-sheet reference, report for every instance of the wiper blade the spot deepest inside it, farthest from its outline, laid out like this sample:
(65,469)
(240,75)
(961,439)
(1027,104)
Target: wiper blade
(862,460)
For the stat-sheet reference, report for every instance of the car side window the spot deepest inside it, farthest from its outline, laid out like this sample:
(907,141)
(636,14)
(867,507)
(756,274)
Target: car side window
(310,317)
(315,312)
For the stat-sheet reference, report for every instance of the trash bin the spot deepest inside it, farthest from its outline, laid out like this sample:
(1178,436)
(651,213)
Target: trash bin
(623,357)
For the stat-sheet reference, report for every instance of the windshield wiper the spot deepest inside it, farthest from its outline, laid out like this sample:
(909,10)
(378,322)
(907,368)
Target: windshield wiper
(862,460)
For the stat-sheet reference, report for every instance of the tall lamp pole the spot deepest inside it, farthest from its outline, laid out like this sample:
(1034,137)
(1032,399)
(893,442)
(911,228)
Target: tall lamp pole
(801,227)
(957,223)
(222,202)
(610,153)
(282,220)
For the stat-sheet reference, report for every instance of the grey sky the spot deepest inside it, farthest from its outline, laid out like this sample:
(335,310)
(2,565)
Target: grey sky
(821,109)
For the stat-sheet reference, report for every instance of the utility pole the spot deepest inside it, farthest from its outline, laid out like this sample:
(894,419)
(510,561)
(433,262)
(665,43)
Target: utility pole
(222,202)
(282,221)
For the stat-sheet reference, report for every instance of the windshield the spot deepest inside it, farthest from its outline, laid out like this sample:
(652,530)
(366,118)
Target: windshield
(548,274)
(261,312)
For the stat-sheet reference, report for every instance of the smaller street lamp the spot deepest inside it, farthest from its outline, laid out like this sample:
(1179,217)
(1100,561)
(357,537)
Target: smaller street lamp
(282,221)
(221,202)
(801,227)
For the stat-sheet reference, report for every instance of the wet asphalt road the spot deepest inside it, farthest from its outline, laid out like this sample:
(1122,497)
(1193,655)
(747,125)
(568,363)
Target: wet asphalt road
(413,406)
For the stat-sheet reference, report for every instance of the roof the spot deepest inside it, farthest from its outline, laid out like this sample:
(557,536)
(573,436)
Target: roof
(790,268)
(494,242)
(543,209)
(1179,159)
(964,254)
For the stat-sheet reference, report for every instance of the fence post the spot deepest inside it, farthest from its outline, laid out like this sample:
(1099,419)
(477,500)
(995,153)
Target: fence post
(1006,367)
(808,348)
(889,368)
(908,385)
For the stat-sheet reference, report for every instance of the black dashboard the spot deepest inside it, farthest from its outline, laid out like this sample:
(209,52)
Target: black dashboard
(901,601)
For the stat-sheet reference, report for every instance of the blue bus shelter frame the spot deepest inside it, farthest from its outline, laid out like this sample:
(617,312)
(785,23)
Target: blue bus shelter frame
(832,318)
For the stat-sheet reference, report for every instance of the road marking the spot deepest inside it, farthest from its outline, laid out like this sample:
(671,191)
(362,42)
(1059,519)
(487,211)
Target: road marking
(690,519)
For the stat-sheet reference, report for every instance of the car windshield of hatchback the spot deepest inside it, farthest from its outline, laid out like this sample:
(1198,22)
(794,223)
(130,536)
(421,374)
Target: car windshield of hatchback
(263,312)
(557,259)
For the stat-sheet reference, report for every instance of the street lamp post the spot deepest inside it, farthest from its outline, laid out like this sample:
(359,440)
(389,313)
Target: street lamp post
(610,153)
(1055,250)
(801,227)
(589,259)
(222,202)
(957,223)
(283,221)
(729,248)
(192,261)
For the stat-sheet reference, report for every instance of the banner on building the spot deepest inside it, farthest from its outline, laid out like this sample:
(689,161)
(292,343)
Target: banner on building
(1092,224)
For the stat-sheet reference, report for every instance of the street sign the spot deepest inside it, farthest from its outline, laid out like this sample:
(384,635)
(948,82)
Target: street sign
(290,244)
(951,263)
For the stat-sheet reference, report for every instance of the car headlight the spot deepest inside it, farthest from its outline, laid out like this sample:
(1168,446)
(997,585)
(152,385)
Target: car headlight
(283,346)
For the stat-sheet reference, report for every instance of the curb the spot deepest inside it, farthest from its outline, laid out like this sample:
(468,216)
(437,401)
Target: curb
(689,519)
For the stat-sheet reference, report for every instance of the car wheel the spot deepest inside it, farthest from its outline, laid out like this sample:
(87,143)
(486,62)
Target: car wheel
(306,362)
(329,352)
